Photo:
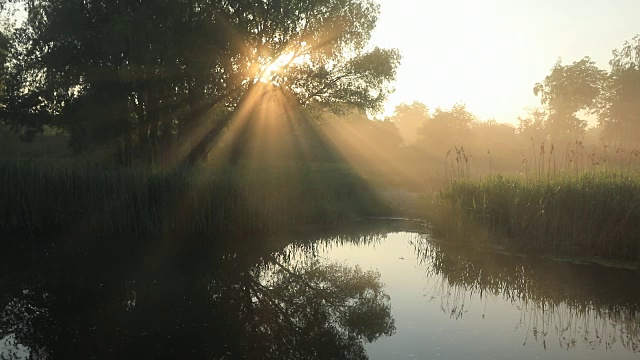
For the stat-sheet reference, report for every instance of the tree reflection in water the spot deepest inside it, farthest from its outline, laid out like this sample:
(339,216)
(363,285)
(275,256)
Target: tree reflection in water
(275,298)
(243,301)
(571,303)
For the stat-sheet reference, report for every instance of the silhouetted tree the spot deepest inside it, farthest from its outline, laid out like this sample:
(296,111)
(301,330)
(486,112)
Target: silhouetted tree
(619,108)
(568,90)
(134,74)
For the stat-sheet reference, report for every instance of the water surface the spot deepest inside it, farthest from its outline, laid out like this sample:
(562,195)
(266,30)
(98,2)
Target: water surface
(454,304)
(374,291)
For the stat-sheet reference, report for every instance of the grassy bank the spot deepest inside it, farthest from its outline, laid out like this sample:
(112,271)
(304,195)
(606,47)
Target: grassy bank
(593,214)
(249,199)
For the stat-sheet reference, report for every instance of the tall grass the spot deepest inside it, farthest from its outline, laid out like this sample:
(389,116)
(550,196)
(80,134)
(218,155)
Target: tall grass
(589,214)
(40,198)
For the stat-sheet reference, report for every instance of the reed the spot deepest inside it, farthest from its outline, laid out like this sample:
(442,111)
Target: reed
(586,214)
(38,198)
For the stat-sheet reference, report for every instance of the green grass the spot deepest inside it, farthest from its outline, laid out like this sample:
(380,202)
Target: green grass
(38,198)
(594,214)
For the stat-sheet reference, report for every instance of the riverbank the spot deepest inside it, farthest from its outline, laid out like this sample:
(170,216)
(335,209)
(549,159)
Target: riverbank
(591,215)
(594,216)
(39,198)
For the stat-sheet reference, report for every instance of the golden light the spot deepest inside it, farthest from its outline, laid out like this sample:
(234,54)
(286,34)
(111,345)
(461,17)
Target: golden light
(268,72)
(276,67)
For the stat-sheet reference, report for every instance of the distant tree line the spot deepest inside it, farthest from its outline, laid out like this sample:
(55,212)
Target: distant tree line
(568,95)
(582,88)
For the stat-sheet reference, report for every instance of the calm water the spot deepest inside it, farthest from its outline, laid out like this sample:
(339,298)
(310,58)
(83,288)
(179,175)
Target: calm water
(377,291)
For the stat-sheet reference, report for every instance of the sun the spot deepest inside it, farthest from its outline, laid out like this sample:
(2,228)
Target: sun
(275,68)
(270,71)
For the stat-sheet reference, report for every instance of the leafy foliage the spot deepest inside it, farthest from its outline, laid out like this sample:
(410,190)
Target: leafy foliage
(133,75)
(619,109)
(568,90)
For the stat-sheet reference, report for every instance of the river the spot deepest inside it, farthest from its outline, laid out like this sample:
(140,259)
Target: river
(386,290)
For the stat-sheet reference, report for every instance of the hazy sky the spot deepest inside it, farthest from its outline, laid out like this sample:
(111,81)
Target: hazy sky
(490,53)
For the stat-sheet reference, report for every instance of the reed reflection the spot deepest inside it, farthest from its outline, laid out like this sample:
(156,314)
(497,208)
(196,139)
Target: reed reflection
(575,305)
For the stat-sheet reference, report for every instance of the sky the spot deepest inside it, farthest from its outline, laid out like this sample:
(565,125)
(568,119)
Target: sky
(489,54)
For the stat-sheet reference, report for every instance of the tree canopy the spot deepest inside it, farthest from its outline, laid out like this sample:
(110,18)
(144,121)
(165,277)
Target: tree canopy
(582,87)
(567,90)
(135,74)
(619,107)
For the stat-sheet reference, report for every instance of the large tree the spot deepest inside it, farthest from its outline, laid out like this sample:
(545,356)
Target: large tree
(566,91)
(136,73)
(619,110)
